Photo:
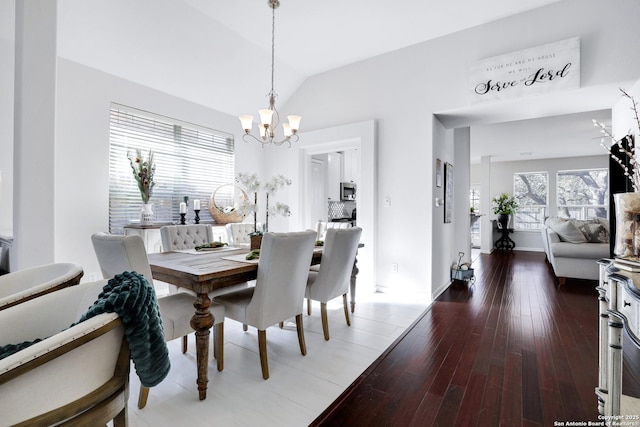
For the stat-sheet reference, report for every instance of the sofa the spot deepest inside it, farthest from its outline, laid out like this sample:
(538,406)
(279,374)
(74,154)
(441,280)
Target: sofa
(573,246)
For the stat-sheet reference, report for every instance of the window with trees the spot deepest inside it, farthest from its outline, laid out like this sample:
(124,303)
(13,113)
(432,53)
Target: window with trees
(531,190)
(583,194)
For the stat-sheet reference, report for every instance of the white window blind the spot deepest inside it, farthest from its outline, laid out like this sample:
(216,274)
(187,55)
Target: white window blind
(190,161)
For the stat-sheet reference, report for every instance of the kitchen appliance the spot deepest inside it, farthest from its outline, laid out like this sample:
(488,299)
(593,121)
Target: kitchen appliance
(347,191)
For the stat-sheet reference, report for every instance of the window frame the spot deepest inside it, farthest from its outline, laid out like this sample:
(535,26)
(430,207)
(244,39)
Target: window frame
(544,208)
(191,160)
(584,208)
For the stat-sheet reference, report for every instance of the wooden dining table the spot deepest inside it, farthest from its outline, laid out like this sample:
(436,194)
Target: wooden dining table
(204,272)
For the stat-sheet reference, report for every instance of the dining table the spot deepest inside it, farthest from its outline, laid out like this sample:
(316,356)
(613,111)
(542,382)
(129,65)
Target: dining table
(208,270)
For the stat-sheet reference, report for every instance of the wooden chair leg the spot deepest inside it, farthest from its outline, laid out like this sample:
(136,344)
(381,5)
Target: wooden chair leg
(308,306)
(184,344)
(281,324)
(325,321)
(142,397)
(262,347)
(218,340)
(346,309)
(245,327)
(122,419)
(300,329)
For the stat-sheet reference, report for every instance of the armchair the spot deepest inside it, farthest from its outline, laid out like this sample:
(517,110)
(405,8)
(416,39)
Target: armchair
(23,285)
(40,385)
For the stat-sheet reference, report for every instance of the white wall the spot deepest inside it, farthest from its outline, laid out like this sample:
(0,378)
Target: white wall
(7,59)
(502,182)
(401,90)
(82,183)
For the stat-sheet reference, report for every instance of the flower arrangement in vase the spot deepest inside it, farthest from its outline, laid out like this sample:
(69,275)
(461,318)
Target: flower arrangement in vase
(504,206)
(252,184)
(143,171)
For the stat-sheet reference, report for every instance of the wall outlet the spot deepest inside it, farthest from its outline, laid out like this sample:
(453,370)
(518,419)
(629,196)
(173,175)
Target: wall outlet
(387,202)
(394,267)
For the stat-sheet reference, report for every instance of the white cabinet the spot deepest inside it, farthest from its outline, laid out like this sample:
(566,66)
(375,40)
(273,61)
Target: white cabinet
(351,166)
(334,176)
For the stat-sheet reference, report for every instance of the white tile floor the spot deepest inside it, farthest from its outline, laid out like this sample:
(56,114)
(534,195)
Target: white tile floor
(299,387)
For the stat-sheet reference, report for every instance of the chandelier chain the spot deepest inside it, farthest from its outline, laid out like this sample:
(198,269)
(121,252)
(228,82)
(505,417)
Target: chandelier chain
(273,45)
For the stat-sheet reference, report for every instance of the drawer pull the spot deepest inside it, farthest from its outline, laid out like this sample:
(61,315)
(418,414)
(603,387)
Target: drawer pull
(626,304)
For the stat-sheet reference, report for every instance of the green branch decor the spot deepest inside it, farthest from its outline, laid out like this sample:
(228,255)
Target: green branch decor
(143,171)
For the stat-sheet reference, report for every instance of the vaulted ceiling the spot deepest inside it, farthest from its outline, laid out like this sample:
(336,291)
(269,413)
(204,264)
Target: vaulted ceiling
(218,53)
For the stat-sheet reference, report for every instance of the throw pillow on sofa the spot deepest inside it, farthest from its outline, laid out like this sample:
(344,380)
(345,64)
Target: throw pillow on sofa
(594,232)
(568,231)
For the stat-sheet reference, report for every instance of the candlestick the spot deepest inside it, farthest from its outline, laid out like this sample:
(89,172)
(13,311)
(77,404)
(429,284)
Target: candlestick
(182,218)
(183,208)
(196,205)
(197,211)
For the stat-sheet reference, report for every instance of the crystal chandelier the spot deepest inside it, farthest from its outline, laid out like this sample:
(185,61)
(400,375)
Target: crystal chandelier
(269,117)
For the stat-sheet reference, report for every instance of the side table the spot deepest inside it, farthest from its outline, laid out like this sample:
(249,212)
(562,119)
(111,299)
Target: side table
(504,243)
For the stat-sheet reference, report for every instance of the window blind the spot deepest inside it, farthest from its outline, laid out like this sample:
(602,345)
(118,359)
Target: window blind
(190,160)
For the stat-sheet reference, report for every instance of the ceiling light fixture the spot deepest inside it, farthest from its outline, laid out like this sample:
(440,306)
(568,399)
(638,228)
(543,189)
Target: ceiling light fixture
(269,117)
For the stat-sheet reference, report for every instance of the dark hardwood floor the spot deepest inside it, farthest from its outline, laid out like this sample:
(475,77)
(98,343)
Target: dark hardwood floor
(509,350)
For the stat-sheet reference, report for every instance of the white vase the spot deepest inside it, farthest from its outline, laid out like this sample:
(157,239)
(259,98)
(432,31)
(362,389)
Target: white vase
(627,207)
(146,214)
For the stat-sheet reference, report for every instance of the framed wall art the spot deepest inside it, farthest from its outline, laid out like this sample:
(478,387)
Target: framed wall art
(448,193)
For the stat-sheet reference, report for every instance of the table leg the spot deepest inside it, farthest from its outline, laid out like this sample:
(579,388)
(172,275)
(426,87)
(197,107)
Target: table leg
(201,322)
(352,290)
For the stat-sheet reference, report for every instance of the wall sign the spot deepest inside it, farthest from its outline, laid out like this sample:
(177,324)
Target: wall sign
(534,71)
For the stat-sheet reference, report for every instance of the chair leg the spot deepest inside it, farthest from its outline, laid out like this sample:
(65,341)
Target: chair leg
(346,309)
(325,321)
(308,306)
(262,347)
(142,397)
(281,324)
(122,419)
(218,339)
(245,327)
(184,344)
(300,329)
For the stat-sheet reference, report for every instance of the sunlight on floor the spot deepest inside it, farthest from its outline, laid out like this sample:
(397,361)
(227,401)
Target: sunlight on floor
(299,388)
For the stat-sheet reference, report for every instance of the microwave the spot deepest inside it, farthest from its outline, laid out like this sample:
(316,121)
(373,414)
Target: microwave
(347,191)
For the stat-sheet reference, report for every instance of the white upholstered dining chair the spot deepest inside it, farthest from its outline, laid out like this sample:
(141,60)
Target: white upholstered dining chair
(332,278)
(322,227)
(23,285)
(76,375)
(117,253)
(238,233)
(177,237)
(283,268)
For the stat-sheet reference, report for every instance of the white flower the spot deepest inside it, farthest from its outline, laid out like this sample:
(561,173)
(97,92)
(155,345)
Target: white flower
(625,145)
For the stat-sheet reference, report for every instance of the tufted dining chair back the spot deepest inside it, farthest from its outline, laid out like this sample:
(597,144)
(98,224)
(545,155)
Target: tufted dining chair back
(177,237)
(238,233)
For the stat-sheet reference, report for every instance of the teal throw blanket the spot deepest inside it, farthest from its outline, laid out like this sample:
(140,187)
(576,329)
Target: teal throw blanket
(133,298)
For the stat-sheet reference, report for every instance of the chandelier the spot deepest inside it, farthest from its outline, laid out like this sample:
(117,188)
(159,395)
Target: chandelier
(269,117)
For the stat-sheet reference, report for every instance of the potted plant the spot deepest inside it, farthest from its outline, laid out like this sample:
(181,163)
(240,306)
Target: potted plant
(253,185)
(504,206)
